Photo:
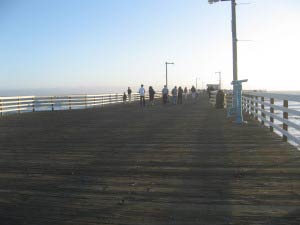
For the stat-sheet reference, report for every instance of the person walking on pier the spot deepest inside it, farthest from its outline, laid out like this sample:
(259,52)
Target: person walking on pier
(193,90)
(151,95)
(174,95)
(129,93)
(185,93)
(165,93)
(180,92)
(142,95)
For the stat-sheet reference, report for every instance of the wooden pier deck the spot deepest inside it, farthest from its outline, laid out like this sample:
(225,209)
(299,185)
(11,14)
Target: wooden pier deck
(123,165)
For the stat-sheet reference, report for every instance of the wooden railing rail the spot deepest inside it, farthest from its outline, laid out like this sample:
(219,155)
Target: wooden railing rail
(273,110)
(18,104)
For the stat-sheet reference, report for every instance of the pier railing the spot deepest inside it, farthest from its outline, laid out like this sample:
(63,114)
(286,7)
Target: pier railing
(18,104)
(280,112)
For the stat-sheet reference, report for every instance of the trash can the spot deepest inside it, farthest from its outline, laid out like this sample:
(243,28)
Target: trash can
(220,100)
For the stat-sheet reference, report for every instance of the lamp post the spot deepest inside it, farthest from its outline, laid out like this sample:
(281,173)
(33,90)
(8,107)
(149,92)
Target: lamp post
(234,47)
(220,79)
(167,63)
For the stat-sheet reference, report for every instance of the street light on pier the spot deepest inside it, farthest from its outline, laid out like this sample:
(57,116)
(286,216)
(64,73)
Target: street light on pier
(168,63)
(234,38)
(234,48)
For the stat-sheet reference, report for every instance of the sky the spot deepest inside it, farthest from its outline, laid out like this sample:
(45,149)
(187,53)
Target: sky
(96,46)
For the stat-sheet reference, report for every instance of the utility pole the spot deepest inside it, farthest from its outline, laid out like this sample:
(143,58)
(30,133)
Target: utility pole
(234,41)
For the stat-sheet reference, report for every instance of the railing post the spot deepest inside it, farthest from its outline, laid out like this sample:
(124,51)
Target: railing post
(85,101)
(272,112)
(102,98)
(70,103)
(252,106)
(19,110)
(1,107)
(94,101)
(109,99)
(33,104)
(116,98)
(263,108)
(52,104)
(285,116)
(256,106)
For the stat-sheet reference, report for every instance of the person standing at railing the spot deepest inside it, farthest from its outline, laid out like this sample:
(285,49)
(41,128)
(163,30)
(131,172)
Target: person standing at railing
(174,95)
(185,93)
(180,92)
(165,93)
(151,95)
(124,98)
(129,91)
(142,95)
(193,90)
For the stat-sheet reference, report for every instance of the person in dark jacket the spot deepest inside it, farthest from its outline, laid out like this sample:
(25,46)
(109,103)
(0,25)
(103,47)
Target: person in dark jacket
(151,95)
(180,93)
(124,97)
(129,91)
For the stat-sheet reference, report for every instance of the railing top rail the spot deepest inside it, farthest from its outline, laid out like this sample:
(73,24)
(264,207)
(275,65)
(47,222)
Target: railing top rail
(16,97)
(289,97)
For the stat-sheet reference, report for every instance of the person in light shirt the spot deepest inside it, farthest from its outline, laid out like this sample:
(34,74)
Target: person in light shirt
(165,92)
(142,95)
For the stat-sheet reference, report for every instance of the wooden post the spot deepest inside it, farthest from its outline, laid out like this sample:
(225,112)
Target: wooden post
(285,116)
(85,101)
(272,112)
(1,107)
(252,106)
(248,105)
(52,105)
(109,99)
(94,101)
(116,98)
(263,108)
(70,103)
(33,104)
(244,98)
(19,110)
(102,100)
(256,108)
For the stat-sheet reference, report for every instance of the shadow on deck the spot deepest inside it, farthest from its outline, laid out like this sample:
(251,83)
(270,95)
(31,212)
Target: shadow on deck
(183,164)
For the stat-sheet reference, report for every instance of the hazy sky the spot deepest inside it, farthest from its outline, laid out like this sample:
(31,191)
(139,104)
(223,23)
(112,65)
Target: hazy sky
(88,44)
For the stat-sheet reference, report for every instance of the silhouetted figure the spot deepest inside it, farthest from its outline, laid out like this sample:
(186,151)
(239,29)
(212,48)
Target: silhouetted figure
(180,93)
(129,91)
(220,99)
(151,95)
(193,90)
(124,97)
(185,93)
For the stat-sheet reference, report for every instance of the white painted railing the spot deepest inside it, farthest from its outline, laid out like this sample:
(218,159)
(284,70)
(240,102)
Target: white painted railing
(281,112)
(18,104)
(212,99)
